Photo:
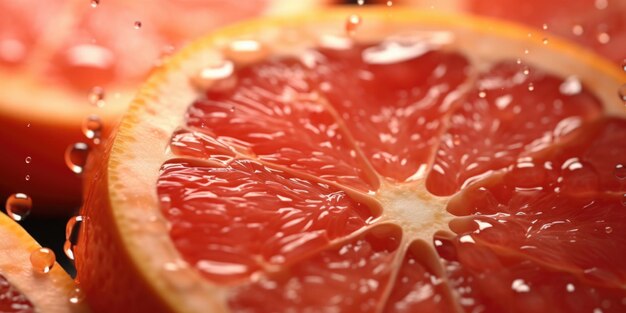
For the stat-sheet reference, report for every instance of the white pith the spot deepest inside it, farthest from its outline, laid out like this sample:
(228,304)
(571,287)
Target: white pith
(141,146)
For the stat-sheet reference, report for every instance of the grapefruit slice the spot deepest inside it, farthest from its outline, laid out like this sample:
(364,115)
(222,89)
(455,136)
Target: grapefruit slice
(415,165)
(24,289)
(598,25)
(83,58)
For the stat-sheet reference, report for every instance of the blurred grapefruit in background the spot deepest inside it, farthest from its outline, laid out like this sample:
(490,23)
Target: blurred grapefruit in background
(63,62)
(596,24)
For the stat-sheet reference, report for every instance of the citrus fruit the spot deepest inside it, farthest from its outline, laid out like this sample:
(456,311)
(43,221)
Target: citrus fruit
(24,287)
(598,24)
(63,61)
(418,163)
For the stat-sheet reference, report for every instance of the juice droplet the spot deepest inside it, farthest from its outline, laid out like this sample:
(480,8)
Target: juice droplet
(526,51)
(28,159)
(92,127)
(482,94)
(622,92)
(137,25)
(18,206)
(42,260)
(96,96)
(620,171)
(578,30)
(95,3)
(76,295)
(352,23)
(603,38)
(76,156)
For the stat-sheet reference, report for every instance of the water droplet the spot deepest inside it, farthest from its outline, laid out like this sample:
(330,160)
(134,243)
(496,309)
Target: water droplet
(72,229)
(623,66)
(570,287)
(624,199)
(68,248)
(76,295)
(520,286)
(76,156)
(137,24)
(360,2)
(531,87)
(352,23)
(389,3)
(96,96)
(482,94)
(578,30)
(27,177)
(92,127)
(603,38)
(526,51)
(608,229)
(601,4)
(18,206)
(544,26)
(28,159)
(571,86)
(526,71)
(622,92)
(42,260)
(620,171)
(545,41)
(95,3)
(246,51)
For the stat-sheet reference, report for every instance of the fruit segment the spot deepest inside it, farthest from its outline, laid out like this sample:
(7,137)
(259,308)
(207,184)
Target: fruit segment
(12,300)
(393,107)
(512,109)
(350,276)
(276,114)
(419,285)
(232,220)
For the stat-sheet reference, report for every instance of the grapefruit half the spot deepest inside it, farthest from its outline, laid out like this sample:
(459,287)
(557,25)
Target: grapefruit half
(423,163)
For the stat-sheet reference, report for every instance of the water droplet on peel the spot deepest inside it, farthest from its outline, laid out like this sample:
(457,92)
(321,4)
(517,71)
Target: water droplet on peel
(76,156)
(352,23)
(603,38)
(620,171)
(137,24)
(42,260)
(571,86)
(578,30)
(622,92)
(76,295)
(96,96)
(608,229)
(531,87)
(94,3)
(92,127)
(28,159)
(18,206)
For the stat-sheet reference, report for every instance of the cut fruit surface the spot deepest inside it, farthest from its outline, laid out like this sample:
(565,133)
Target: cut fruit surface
(63,61)
(22,288)
(409,167)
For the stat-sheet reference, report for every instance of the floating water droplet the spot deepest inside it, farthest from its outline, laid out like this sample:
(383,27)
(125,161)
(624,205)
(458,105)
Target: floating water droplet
(608,229)
(544,26)
(18,206)
(577,30)
(96,96)
(76,156)
(223,70)
(27,177)
(42,260)
(622,92)
(137,24)
(520,286)
(620,171)
(76,295)
(28,159)
(531,87)
(92,127)
(352,23)
(95,3)
(571,86)
(603,38)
